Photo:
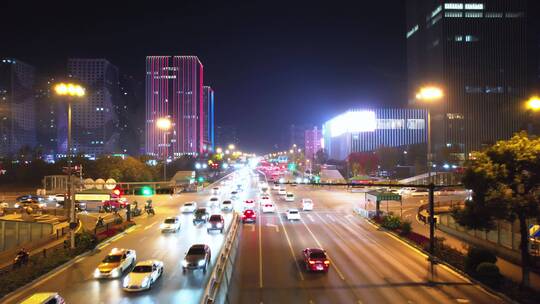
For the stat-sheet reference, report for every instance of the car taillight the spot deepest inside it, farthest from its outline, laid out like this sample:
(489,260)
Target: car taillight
(311,262)
(327,262)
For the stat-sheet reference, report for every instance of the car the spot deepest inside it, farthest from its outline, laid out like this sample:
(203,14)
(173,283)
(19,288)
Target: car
(171,223)
(249,216)
(419,192)
(227,205)
(213,202)
(216,222)
(30,203)
(234,195)
(406,190)
(143,275)
(44,298)
(293,214)
(264,190)
(315,259)
(268,207)
(289,197)
(115,263)
(200,216)
(249,204)
(188,207)
(263,199)
(275,186)
(197,257)
(307,204)
(282,191)
(215,191)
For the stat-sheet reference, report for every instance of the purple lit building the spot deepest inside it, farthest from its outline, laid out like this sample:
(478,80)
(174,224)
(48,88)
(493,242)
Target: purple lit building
(208,117)
(312,142)
(174,89)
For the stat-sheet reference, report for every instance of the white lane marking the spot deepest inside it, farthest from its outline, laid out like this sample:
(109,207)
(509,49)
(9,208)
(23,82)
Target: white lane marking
(272,225)
(290,247)
(320,246)
(462,300)
(331,217)
(310,217)
(150,226)
(260,254)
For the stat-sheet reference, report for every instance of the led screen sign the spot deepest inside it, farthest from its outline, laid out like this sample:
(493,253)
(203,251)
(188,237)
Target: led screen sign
(353,122)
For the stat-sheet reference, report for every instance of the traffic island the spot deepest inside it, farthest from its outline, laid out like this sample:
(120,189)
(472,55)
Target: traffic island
(483,271)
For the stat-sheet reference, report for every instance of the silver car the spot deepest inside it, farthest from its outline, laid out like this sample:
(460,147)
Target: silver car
(197,257)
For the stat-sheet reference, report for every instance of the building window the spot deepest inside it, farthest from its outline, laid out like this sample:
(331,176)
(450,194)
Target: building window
(493,15)
(415,124)
(474,6)
(473,89)
(471,38)
(453,14)
(494,90)
(412,31)
(458,38)
(436,11)
(473,14)
(390,123)
(453,6)
(514,14)
(452,116)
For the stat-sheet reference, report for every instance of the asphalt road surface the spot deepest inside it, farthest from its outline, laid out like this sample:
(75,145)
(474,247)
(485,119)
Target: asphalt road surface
(367,265)
(77,284)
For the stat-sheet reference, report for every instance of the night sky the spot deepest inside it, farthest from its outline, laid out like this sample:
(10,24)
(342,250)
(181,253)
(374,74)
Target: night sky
(271,63)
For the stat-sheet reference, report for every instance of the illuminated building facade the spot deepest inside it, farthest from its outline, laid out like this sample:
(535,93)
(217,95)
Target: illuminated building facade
(17,106)
(312,142)
(364,130)
(174,89)
(208,122)
(476,51)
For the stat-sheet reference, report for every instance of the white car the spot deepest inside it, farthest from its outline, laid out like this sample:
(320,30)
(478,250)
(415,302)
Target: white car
(188,207)
(213,202)
(282,191)
(215,191)
(143,275)
(275,187)
(170,224)
(264,199)
(293,214)
(227,205)
(234,195)
(268,207)
(249,204)
(307,204)
(406,191)
(289,197)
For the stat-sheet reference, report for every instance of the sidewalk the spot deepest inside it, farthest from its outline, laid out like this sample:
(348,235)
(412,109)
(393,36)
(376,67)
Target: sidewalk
(508,269)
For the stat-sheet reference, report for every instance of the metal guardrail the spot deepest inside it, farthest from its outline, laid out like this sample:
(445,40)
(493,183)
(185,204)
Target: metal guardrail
(218,285)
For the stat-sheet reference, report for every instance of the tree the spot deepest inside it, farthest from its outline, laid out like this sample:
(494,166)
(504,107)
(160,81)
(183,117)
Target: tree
(363,162)
(505,180)
(321,157)
(389,157)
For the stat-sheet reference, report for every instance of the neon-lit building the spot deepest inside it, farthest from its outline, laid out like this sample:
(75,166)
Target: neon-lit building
(208,122)
(363,130)
(312,142)
(174,89)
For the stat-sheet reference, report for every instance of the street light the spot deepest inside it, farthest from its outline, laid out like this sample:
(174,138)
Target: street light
(164,124)
(533,104)
(219,150)
(430,94)
(231,147)
(71,91)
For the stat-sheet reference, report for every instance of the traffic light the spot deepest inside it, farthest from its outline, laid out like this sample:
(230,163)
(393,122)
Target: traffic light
(291,167)
(200,179)
(317,178)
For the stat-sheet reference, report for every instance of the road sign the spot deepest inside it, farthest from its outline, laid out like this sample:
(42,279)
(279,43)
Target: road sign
(88,183)
(110,184)
(100,183)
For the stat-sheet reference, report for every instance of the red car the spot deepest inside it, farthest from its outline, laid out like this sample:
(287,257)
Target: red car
(249,216)
(315,259)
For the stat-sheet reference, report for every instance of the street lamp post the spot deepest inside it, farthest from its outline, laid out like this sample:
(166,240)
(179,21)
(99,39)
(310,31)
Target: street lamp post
(430,94)
(164,124)
(532,105)
(71,91)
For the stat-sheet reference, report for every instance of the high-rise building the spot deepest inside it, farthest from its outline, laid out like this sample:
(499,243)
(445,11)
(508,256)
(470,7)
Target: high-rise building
(476,52)
(94,120)
(130,112)
(208,105)
(174,89)
(17,106)
(47,111)
(225,135)
(297,134)
(312,142)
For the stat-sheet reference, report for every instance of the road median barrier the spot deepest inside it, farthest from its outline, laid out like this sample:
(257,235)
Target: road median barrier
(217,288)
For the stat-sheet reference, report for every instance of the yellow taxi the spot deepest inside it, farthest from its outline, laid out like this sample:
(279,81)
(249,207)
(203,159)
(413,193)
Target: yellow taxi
(115,263)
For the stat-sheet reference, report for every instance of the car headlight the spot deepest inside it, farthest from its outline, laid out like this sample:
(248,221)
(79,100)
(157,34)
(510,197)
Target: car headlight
(208,225)
(115,273)
(202,262)
(145,282)
(126,282)
(97,273)
(162,226)
(184,263)
(16,205)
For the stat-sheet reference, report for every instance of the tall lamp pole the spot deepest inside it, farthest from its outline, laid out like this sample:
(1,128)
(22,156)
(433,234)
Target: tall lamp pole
(164,124)
(71,91)
(532,105)
(430,94)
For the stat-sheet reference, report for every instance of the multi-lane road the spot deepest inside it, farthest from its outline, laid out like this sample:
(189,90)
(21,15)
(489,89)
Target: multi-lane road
(367,265)
(77,284)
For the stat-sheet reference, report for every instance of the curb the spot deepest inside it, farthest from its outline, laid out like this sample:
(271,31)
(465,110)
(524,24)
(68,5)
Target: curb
(440,261)
(59,268)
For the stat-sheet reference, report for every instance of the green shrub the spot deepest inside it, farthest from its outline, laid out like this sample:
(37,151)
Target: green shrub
(391,222)
(406,227)
(477,256)
(489,274)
